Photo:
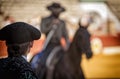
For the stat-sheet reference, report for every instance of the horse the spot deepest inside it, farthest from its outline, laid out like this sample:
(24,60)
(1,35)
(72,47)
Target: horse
(62,64)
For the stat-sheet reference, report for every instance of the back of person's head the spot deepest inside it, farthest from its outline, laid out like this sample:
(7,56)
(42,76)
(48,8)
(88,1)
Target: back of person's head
(19,37)
(18,49)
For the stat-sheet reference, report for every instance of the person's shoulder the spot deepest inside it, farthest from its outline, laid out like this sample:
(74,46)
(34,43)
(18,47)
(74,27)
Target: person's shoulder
(22,61)
(3,59)
(3,63)
(22,65)
(19,63)
(45,18)
(9,64)
(24,68)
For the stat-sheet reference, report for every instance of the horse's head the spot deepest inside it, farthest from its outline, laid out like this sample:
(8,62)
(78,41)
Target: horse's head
(82,40)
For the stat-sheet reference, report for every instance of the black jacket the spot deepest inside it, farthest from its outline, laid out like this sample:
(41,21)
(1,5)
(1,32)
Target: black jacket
(61,31)
(15,68)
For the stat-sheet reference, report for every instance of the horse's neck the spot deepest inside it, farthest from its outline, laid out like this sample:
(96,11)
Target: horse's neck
(74,55)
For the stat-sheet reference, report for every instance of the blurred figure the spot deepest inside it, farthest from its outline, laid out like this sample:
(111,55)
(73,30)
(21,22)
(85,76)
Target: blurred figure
(53,22)
(19,39)
(54,29)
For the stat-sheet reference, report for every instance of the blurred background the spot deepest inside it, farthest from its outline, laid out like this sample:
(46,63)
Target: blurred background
(105,29)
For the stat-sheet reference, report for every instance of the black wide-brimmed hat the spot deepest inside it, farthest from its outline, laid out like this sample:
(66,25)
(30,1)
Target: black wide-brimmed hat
(19,32)
(56,6)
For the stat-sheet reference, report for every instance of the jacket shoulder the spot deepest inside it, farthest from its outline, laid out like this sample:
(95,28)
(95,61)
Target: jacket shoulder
(45,18)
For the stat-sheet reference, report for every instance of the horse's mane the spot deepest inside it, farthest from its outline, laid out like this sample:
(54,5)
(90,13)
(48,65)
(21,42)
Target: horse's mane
(74,50)
(68,66)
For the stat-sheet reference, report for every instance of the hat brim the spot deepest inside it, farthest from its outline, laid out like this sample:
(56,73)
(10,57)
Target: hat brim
(61,9)
(18,33)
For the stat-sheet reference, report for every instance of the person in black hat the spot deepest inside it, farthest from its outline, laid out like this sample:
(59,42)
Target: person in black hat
(49,23)
(19,39)
(54,29)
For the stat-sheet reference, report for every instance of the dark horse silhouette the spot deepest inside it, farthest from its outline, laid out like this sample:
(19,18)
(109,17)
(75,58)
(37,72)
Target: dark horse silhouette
(62,64)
